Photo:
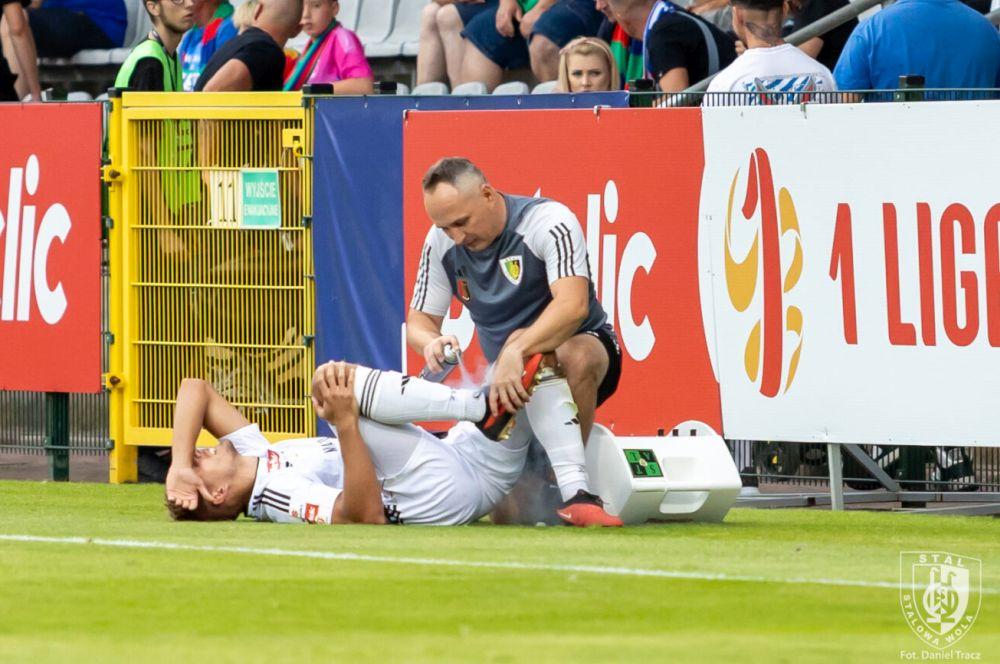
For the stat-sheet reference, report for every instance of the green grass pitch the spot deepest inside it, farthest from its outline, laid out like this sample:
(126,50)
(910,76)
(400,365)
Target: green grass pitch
(90,602)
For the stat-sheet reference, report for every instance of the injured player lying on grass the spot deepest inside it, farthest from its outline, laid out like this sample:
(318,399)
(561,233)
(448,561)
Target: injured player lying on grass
(379,469)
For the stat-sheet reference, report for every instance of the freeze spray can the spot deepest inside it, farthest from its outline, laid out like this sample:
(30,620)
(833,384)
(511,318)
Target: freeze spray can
(452,356)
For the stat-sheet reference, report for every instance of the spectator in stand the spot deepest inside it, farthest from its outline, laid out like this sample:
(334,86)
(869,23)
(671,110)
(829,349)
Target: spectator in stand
(19,81)
(587,65)
(213,27)
(769,65)
(944,41)
(517,33)
(680,48)
(626,51)
(62,28)
(717,12)
(827,47)
(254,60)
(441,42)
(154,65)
(243,16)
(334,54)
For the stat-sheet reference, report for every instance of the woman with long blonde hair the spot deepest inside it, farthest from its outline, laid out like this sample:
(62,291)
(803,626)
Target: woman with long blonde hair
(587,65)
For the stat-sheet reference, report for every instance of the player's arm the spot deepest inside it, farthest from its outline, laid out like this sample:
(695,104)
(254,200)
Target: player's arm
(198,407)
(431,299)
(333,400)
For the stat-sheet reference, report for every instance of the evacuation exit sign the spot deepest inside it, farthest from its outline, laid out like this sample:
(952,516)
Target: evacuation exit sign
(260,199)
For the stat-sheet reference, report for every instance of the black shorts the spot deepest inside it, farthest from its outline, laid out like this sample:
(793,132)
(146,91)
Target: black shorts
(609,339)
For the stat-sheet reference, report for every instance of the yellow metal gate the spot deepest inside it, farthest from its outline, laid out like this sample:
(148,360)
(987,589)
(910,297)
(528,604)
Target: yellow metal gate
(195,291)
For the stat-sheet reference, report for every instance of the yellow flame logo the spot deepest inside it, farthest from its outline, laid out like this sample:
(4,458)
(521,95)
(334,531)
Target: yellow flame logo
(764,353)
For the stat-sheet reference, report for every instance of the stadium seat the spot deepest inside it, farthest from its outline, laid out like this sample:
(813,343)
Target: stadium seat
(431,89)
(79,95)
(406,30)
(139,24)
(402,89)
(374,25)
(470,88)
(119,55)
(548,87)
(91,57)
(348,14)
(512,88)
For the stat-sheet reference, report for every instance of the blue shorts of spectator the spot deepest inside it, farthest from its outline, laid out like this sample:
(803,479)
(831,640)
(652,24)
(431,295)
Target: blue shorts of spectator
(469,10)
(62,33)
(563,22)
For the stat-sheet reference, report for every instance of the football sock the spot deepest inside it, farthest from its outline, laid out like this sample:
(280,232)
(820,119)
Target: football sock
(554,420)
(392,398)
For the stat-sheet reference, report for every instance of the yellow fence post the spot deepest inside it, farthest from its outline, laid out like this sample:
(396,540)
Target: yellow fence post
(123,457)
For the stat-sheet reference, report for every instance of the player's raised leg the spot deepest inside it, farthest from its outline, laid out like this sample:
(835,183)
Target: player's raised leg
(393,398)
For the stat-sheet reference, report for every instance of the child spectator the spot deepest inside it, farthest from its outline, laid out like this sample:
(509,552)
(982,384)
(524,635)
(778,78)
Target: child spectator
(334,54)
(587,65)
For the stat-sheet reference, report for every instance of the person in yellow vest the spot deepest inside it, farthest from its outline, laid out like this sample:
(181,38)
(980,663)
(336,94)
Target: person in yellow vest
(153,65)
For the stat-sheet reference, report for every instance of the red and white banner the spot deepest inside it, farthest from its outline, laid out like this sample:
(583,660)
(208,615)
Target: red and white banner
(856,271)
(633,182)
(50,247)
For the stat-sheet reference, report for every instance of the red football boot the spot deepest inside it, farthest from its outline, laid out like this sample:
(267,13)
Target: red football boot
(585,509)
(498,427)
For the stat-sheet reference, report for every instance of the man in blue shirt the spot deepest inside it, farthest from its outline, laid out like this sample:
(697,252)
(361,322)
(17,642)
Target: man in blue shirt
(213,27)
(944,41)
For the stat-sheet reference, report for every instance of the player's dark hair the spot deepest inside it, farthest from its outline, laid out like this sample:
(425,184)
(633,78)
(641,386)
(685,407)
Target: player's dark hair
(760,5)
(449,170)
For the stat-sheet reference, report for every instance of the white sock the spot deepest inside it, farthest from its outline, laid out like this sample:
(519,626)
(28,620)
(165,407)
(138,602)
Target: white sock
(554,419)
(392,398)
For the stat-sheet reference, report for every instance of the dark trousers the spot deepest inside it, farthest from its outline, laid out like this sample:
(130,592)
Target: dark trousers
(61,33)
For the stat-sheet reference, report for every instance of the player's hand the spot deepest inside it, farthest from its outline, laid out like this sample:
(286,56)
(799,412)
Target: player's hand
(434,351)
(183,487)
(333,393)
(507,389)
(508,12)
(528,21)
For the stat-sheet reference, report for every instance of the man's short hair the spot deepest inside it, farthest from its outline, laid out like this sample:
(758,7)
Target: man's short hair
(449,171)
(759,5)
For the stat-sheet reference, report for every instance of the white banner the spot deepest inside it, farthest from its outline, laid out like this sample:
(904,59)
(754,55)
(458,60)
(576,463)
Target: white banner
(850,256)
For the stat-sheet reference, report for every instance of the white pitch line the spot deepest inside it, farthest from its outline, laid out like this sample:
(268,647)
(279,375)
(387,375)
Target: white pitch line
(445,562)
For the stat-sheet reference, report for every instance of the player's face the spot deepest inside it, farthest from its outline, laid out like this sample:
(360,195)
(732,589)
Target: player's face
(216,465)
(465,214)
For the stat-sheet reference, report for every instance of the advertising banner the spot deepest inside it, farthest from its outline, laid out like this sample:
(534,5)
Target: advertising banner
(632,178)
(856,272)
(358,218)
(50,247)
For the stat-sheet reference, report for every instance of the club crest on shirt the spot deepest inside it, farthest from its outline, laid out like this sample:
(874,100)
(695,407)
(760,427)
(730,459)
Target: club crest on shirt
(311,512)
(273,461)
(462,286)
(511,268)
